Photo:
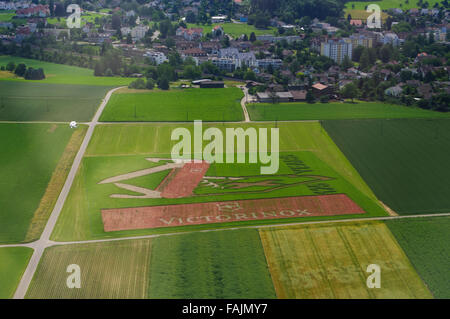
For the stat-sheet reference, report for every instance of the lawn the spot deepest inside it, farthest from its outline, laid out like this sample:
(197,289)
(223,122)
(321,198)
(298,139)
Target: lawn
(405,162)
(226,264)
(330,261)
(31,101)
(108,270)
(30,155)
(176,105)
(64,74)
(234,29)
(122,148)
(6,16)
(338,110)
(426,243)
(13,261)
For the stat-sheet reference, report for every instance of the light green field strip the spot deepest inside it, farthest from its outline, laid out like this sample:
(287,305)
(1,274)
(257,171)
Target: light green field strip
(13,261)
(176,105)
(330,261)
(390,4)
(108,270)
(333,111)
(63,74)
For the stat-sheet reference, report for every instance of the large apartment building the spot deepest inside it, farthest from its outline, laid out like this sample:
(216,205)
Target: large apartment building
(336,49)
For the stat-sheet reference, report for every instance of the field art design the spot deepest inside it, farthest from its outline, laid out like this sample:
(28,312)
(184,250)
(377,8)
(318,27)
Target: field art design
(330,261)
(126,194)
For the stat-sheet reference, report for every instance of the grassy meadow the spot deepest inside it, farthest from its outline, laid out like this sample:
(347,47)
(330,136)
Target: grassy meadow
(330,261)
(13,261)
(425,242)
(405,162)
(337,110)
(30,154)
(176,105)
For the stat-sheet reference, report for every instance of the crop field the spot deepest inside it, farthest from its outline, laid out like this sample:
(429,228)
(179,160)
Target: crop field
(226,264)
(108,270)
(334,111)
(63,74)
(405,162)
(390,4)
(330,261)
(30,154)
(13,261)
(115,174)
(30,101)
(176,105)
(234,29)
(426,243)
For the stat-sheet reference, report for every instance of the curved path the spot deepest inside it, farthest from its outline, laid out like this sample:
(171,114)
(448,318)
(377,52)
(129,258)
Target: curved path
(44,240)
(243,101)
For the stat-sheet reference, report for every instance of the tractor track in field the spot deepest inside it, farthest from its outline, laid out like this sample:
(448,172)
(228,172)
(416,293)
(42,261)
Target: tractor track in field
(44,241)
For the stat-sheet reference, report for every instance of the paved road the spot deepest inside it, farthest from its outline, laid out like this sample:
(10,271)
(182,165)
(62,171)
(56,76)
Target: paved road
(43,241)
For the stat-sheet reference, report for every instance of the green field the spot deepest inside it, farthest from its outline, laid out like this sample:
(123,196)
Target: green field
(226,264)
(176,105)
(405,162)
(334,111)
(30,153)
(426,243)
(234,29)
(390,4)
(30,101)
(330,261)
(13,261)
(6,16)
(122,148)
(63,74)
(108,270)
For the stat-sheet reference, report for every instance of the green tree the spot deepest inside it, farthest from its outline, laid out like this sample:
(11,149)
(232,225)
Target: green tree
(350,91)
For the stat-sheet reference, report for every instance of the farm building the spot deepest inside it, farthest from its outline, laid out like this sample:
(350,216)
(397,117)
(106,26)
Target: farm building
(212,84)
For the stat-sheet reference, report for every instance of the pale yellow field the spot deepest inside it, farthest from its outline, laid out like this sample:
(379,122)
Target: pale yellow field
(117,269)
(330,261)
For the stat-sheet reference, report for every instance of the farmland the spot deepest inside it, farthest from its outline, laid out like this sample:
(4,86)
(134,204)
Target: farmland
(108,270)
(425,242)
(176,105)
(30,153)
(328,261)
(123,148)
(390,4)
(234,29)
(63,74)
(405,162)
(226,264)
(14,260)
(332,111)
(30,101)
